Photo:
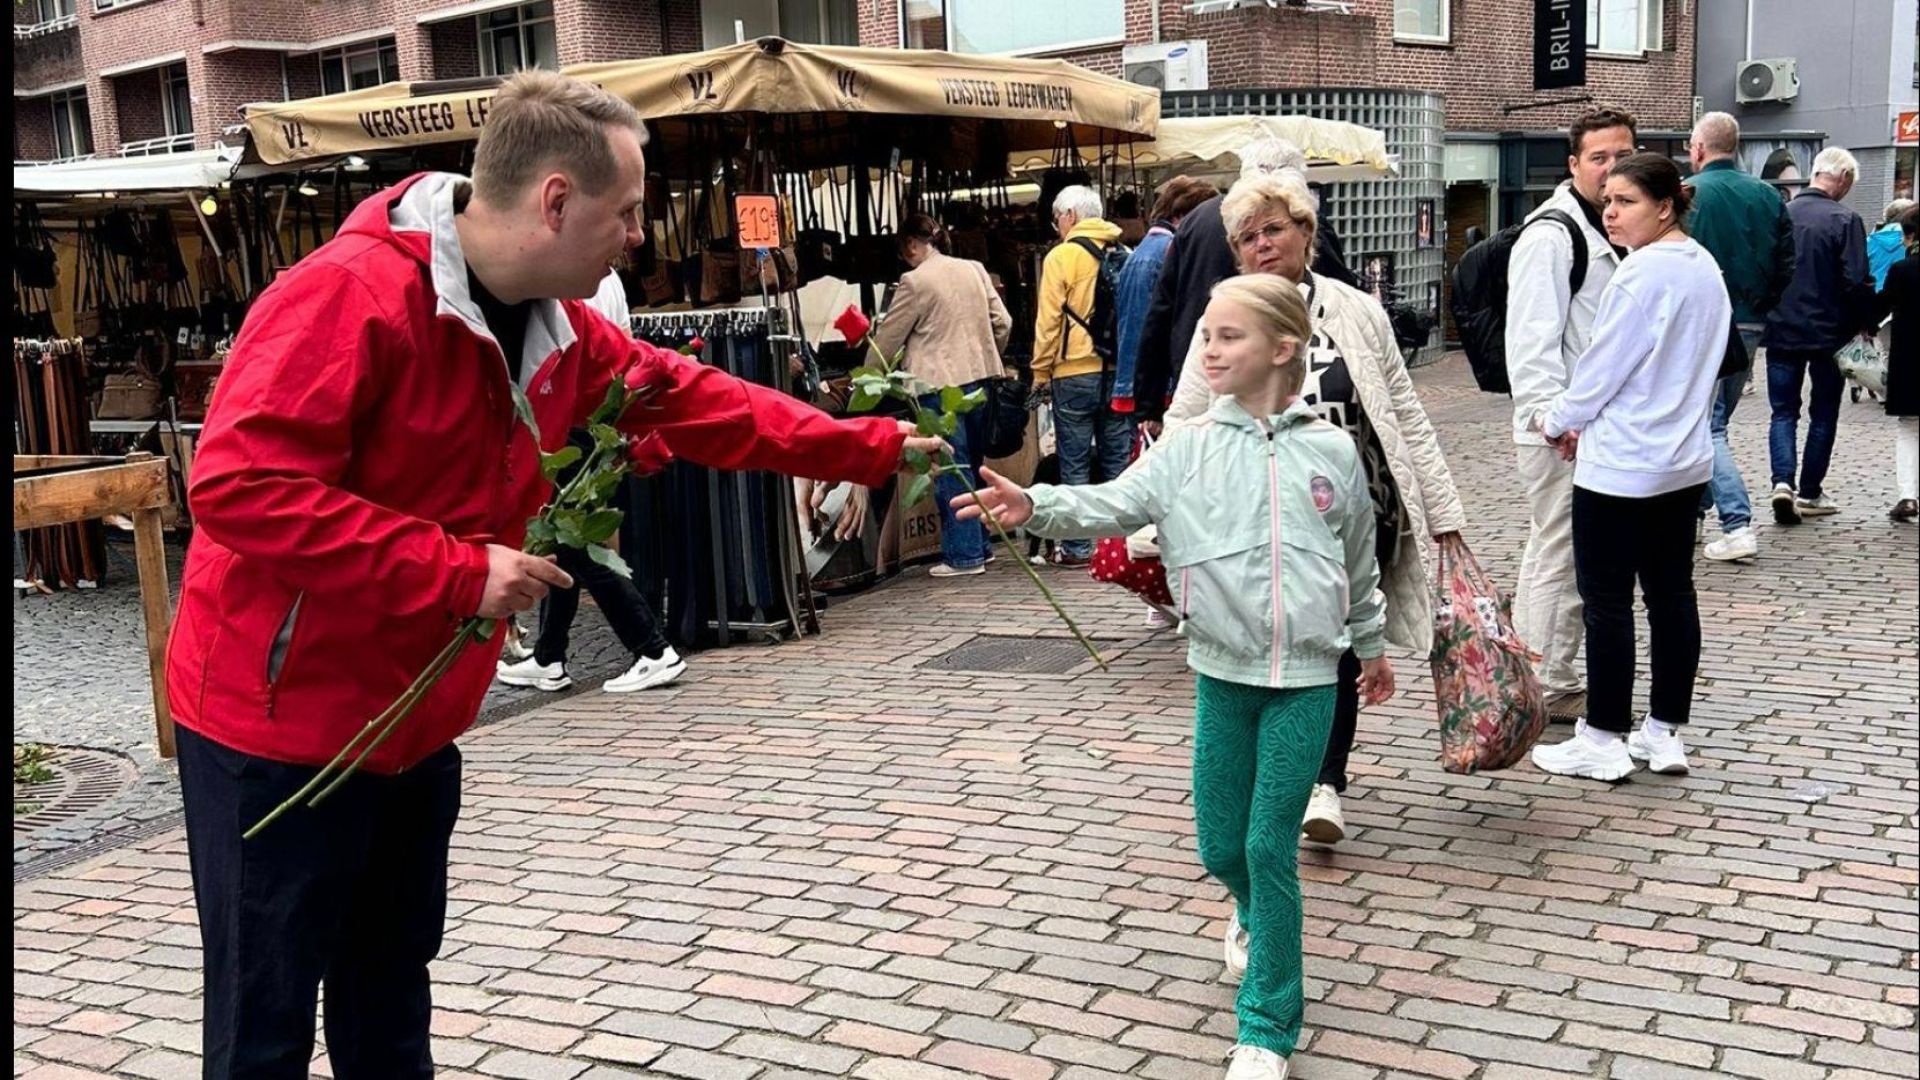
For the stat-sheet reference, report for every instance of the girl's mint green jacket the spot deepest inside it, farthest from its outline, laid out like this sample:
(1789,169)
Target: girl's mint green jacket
(1267,535)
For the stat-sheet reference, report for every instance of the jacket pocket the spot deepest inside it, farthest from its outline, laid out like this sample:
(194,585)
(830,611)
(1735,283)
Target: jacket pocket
(282,642)
(1221,601)
(1315,592)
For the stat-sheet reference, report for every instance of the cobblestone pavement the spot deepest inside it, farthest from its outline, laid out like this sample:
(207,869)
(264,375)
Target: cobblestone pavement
(80,680)
(824,859)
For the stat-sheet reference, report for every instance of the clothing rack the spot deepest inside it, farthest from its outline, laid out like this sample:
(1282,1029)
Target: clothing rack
(50,418)
(724,322)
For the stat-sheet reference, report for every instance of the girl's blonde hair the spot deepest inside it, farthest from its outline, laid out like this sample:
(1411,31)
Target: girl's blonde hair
(1280,313)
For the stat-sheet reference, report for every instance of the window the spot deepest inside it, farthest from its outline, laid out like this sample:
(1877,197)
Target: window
(517,38)
(1421,20)
(1624,26)
(820,22)
(358,66)
(72,125)
(46,11)
(176,100)
(1011,26)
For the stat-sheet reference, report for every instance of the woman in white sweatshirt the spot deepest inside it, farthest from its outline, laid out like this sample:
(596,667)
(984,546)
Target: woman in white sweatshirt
(1634,421)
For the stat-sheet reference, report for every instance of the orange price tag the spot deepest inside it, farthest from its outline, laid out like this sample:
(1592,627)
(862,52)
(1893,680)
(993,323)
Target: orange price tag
(756,219)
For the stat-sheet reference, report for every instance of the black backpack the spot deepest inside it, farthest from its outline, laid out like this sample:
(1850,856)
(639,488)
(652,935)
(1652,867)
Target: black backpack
(1480,297)
(1103,326)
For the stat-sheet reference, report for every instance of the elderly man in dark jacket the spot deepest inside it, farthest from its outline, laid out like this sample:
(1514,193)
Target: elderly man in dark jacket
(1199,259)
(1827,304)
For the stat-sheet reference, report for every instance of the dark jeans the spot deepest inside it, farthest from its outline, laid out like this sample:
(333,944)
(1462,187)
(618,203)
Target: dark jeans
(1786,371)
(1617,541)
(963,544)
(352,893)
(626,610)
(1089,432)
(1346,722)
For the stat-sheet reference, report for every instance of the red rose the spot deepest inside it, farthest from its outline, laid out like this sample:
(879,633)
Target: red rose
(636,376)
(648,453)
(853,325)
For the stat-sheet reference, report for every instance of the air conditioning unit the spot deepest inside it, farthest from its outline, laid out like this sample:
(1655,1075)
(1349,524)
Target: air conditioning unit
(1767,80)
(1166,65)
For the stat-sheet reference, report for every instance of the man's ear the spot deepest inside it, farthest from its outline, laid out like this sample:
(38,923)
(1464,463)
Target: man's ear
(556,198)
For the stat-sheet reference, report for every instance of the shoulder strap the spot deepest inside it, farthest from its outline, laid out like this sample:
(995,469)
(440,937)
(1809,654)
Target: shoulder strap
(1578,278)
(1087,246)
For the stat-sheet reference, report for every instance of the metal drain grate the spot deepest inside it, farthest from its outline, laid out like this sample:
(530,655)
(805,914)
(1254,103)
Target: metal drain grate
(83,781)
(1011,655)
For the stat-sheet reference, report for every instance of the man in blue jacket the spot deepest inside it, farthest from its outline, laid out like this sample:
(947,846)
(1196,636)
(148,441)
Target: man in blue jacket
(1742,223)
(1825,306)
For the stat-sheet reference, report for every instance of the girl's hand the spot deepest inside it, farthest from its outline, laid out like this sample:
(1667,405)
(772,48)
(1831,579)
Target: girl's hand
(1376,680)
(1000,497)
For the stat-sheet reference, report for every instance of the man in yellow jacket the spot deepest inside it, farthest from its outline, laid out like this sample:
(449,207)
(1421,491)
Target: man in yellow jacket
(1065,359)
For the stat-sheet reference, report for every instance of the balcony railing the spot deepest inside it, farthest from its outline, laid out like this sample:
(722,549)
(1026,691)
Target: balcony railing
(165,144)
(42,29)
(17,163)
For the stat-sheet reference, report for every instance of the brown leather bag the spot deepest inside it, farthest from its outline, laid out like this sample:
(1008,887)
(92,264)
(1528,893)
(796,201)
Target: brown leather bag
(129,395)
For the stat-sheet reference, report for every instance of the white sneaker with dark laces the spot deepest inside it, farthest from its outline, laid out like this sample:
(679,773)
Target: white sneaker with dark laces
(533,673)
(1324,824)
(646,674)
(1585,757)
(1737,546)
(1236,951)
(1255,1063)
(1664,754)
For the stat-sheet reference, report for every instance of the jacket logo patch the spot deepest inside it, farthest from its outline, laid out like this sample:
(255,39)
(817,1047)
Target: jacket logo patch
(1322,490)
(546,387)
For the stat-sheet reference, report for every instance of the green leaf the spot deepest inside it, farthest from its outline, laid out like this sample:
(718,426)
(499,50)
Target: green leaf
(862,401)
(859,373)
(606,436)
(917,490)
(613,404)
(610,559)
(524,410)
(552,464)
(541,531)
(950,399)
(918,461)
(600,526)
(927,422)
(949,424)
(971,402)
(570,527)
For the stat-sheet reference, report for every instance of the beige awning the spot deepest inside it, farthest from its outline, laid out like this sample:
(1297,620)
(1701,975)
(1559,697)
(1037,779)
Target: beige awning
(1335,150)
(840,103)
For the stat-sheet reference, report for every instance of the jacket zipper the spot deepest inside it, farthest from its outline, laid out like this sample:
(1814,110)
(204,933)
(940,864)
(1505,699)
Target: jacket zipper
(280,649)
(1273,498)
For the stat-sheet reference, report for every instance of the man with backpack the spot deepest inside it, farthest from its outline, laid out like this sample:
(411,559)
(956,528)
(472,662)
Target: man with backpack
(1074,343)
(1561,262)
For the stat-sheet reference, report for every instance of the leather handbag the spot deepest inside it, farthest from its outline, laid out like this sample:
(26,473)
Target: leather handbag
(129,395)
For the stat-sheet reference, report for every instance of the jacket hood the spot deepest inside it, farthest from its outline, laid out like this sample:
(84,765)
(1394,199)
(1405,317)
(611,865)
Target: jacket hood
(1226,410)
(417,217)
(1099,229)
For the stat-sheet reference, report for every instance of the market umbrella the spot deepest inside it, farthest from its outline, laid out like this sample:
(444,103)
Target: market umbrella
(1335,150)
(831,104)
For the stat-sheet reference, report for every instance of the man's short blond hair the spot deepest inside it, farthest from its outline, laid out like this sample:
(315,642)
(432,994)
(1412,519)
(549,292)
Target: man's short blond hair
(1717,133)
(542,121)
(1254,197)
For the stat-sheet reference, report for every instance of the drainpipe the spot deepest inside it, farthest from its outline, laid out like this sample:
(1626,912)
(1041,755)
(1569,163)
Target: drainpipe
(1156,21)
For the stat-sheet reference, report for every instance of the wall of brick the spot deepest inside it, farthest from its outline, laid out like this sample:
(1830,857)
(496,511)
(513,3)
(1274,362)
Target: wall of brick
(135,102)
(454,49)
(1284,48)
(32,130)
(48,60)
(595,30)
(228,80)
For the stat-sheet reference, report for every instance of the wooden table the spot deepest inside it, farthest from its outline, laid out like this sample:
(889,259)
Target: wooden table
(57,490)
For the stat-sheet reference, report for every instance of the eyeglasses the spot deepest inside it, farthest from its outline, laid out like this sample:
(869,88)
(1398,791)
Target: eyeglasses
(1270,232)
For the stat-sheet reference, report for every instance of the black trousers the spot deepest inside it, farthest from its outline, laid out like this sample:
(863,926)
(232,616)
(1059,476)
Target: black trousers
(1346,723)
(352,894)
(626,610)
(1617,541)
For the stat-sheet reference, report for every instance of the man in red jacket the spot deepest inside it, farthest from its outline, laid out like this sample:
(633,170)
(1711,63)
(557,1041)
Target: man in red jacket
(361,487)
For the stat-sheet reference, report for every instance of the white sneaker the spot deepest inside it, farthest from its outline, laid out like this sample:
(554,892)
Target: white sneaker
(1584,757)
(942,570)
(1785,508)
(1158,619)
(531,672)
(1255,1063)
(646,674)
(1324,823)
(1740,544)
(1236,951)
(1818,506)
(1666,755)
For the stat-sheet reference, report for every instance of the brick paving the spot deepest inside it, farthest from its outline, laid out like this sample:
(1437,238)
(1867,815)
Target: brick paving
(823,860)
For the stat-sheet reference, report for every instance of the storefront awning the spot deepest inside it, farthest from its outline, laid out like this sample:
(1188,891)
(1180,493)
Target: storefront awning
(191,171)
(1335,150)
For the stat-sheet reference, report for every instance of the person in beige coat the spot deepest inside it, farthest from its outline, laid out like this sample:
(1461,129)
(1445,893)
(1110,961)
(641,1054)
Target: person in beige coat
(948,319)
(1356,381)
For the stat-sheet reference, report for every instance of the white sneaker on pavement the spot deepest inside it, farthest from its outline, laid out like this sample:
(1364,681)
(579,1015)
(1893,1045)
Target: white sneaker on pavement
(1255,1063)
(1818,506)
(1785,510)
(531,672)
(1739,545)
(646,674)
(1158,619)
(942,570)
(1324,824)
(1236,951)
(1585,756)
(1664,754)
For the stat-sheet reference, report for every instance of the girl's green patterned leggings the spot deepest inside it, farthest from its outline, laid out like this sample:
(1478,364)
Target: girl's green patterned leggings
(1256,754)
